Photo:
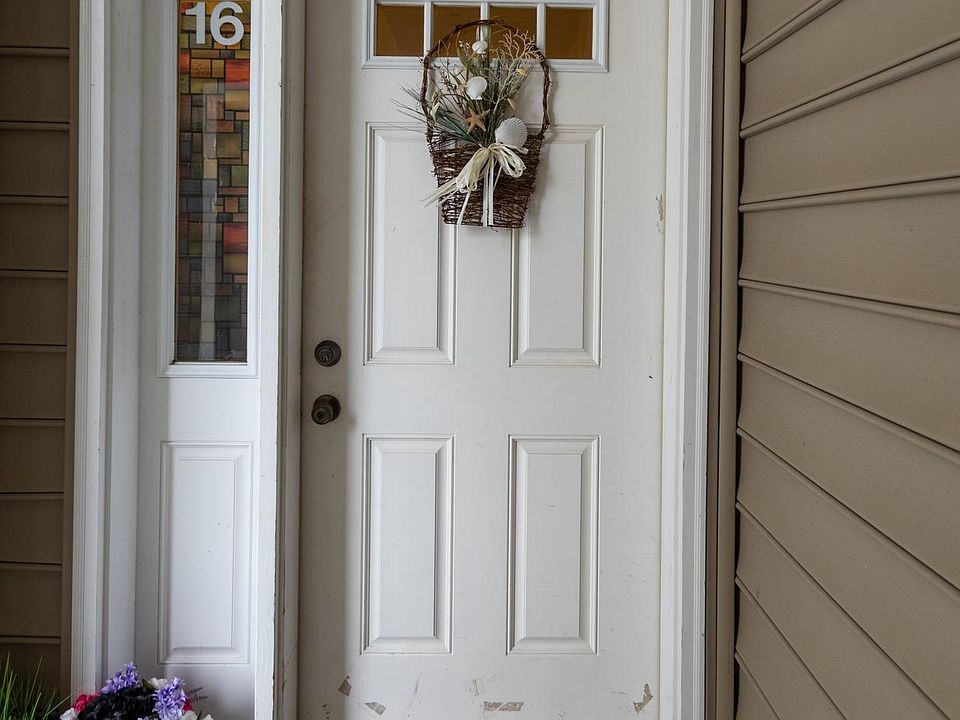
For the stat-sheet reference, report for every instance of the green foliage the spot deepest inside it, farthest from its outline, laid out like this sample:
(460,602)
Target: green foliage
(503,59)
(27,698)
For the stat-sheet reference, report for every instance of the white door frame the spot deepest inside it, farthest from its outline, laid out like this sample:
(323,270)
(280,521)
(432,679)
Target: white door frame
(106,437)
(686,317)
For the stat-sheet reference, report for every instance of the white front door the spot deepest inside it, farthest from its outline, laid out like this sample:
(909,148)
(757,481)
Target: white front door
(480,526)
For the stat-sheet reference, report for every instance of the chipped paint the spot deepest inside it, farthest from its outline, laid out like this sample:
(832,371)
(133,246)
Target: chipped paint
(647,697)
(509,706)
(345,687)
(376,707)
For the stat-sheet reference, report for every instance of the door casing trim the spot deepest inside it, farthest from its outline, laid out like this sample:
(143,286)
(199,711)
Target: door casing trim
(686,336)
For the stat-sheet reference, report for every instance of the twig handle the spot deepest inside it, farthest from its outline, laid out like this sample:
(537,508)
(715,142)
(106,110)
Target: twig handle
(430,56)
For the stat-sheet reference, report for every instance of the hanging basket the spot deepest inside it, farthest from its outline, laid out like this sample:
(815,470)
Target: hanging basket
(511,195)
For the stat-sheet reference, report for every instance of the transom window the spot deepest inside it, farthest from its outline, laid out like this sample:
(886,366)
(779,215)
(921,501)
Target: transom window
(571,33)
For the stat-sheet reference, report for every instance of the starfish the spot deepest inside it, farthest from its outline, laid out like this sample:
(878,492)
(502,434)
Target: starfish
(475,120)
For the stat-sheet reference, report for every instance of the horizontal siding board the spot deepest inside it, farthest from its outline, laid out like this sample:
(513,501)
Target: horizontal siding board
(35,23)
(764,17)
(34,236)
(898,367)
(751,704)
(886,476)
(833,51)
(31,529)
(31,457)
(39,160)
(28,654)
(34,309)
(34,88)
(902,132)
(790,689)
(861,680)
(32,383)
(902,250)
(917,621)
(30,600)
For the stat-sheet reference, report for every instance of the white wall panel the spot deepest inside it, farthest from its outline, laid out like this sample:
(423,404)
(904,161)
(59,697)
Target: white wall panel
(205,519)
(556,257)
(553,544)
(408,517)
(410,255)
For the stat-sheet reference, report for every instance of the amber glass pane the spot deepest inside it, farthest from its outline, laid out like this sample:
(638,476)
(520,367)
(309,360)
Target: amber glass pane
(400,30)
(213,126)
(569,33)
(447,17)
(522,18)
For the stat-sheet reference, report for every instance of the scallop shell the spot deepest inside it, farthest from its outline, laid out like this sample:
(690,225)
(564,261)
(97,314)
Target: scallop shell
(512,132)
(476,87)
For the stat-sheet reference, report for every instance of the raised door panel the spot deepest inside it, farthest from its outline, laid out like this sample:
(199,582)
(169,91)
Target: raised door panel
(553,545)
(410,256)
(556,258)
(408,526)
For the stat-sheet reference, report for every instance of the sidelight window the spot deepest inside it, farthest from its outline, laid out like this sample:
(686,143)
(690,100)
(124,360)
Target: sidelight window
(213,181)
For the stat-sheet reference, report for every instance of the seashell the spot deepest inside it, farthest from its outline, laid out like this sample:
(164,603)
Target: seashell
(479,47)
(476,87)
(512,132)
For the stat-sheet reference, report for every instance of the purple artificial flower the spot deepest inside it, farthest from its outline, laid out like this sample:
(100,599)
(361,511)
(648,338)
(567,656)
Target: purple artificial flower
(128,677)
(170,700)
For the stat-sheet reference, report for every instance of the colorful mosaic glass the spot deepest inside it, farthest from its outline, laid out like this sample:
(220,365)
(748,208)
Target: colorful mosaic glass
(213,122)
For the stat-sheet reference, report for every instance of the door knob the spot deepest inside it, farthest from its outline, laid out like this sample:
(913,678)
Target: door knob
(327,353)
(326,409)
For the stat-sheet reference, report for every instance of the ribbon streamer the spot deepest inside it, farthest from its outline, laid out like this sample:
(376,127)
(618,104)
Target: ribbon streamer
(487,163)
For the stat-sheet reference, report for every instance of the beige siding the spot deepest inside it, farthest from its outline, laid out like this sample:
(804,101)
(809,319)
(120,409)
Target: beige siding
(38,103)
(848,319)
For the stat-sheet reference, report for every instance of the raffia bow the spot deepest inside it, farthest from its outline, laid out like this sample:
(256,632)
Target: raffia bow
(487,163)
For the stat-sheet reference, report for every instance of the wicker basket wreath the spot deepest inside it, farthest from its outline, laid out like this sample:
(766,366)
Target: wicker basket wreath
(476,203)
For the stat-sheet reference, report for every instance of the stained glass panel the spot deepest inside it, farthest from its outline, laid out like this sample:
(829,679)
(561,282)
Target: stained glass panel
(213,123)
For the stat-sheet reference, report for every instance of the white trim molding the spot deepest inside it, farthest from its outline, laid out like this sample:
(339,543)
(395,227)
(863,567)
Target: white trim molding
(685,357)
(89,511)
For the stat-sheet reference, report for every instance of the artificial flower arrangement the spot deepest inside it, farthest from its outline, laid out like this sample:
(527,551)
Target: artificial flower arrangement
(484,158)
(127,696)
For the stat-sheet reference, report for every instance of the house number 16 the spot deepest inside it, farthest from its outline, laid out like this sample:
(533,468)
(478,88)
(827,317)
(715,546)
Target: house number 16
(217,21)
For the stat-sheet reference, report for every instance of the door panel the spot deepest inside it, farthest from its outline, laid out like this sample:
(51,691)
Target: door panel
(837,337)
(480,526)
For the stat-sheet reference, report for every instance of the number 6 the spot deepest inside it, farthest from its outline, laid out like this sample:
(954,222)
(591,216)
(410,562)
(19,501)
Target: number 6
(217,21)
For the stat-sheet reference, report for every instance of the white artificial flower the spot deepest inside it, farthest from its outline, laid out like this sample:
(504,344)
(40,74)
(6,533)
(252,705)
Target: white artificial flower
(480,46)
(70,714)
(158,683)
(476,86)
(207,717)
(189,715)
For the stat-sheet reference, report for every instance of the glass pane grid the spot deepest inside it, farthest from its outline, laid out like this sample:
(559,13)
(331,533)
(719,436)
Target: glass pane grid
(566,32)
